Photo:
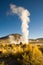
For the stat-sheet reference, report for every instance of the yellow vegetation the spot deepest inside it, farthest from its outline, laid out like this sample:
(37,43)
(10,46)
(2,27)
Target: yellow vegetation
(29,54)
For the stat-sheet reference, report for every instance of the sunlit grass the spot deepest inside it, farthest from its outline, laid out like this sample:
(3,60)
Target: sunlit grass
(22,53)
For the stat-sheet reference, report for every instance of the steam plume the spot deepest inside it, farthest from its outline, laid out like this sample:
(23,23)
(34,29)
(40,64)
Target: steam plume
(24,16)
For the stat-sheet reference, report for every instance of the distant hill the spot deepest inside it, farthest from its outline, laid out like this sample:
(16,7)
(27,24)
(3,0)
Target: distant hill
(40,39)
(6,39)
(17,38)
(15,35)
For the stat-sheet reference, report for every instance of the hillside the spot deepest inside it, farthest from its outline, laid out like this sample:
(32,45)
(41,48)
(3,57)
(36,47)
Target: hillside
(17,38)
(13,37)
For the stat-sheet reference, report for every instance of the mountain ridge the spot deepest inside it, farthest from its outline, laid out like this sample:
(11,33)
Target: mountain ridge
(17,37)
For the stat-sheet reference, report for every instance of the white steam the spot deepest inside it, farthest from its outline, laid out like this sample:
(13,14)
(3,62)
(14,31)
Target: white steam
(24,16)
(12,39)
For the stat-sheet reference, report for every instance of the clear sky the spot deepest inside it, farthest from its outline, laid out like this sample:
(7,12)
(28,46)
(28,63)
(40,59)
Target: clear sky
(12,24)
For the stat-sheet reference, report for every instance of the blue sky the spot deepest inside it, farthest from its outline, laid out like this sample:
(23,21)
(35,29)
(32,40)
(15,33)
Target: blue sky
(12,24)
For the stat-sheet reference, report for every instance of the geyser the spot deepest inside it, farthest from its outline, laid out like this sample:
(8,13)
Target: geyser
(24,16)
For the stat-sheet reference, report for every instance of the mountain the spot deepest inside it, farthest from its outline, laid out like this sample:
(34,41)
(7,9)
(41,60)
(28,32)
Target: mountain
(16,38)
(40,39)
(15,35)
(9,38)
